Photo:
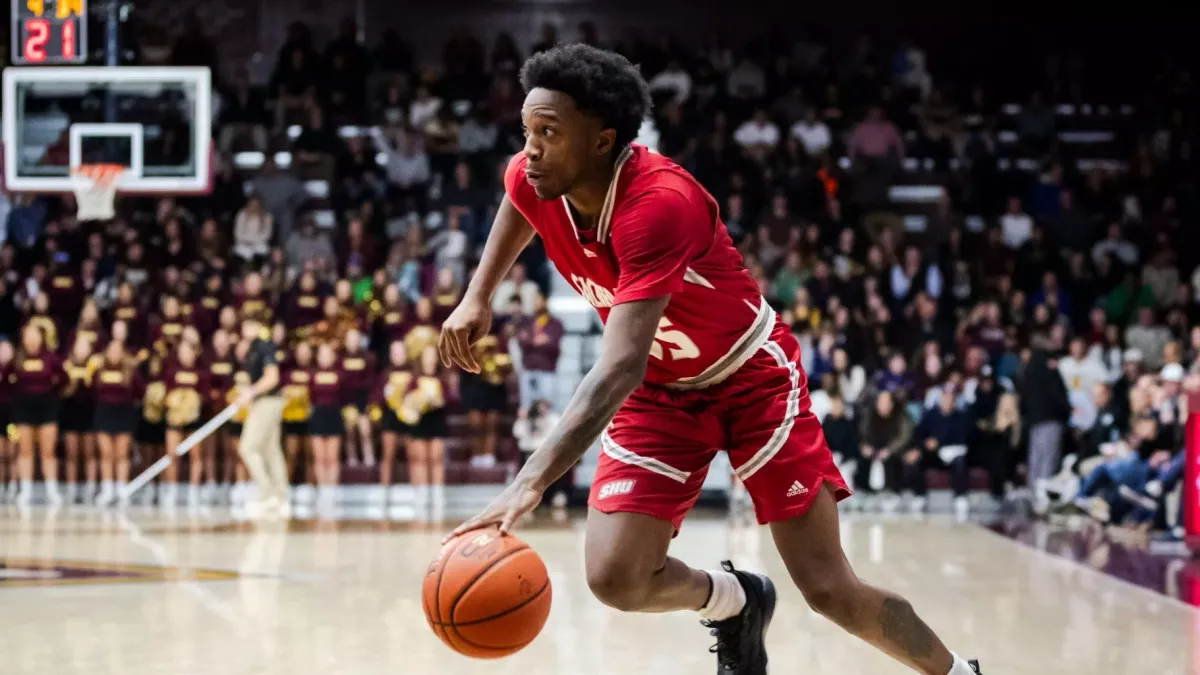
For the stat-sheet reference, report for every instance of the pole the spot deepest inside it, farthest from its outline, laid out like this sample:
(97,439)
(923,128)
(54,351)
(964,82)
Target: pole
(185,446)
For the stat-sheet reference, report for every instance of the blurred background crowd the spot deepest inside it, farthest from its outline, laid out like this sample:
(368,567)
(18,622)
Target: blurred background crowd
(995,280)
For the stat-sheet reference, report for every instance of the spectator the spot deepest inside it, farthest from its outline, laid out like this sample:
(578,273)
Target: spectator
(876,140)
(252,231)
(1148,338)
(886,432)
(939,440)
(516,285)
(673,81)
(1047,409)
(539,337)
(812,133)
(1016,226)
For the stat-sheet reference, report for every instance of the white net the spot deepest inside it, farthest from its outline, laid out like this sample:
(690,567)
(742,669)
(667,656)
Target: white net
(95,187)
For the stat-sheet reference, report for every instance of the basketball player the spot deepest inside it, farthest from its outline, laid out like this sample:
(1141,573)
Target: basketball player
(693,359)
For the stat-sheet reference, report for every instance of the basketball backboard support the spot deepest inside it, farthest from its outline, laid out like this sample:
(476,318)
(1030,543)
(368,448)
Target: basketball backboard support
(157,122)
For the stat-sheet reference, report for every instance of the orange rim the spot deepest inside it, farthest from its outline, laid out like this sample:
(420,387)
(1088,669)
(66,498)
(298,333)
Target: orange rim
(103,174)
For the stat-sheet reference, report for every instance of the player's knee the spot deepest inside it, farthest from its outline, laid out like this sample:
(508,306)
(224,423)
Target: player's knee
(618,586)
(829,596)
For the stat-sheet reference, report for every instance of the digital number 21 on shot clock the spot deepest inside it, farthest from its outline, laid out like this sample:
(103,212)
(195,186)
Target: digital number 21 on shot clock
(49,32)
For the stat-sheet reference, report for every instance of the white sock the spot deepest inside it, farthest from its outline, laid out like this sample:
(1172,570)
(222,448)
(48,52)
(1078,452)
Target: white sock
(727,599)
(960,667)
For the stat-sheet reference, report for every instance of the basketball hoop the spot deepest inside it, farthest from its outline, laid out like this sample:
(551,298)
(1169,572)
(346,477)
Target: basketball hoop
(95,187)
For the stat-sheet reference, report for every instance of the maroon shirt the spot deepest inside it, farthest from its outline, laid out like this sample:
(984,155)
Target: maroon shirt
(304,309)
(6,385)
(165,334)
(178,378)
(540,338)
(444,301)
(65,293)
(36,374)
(203,313)
(393,324)
(255,305)
(221,369)
(325,387)
(359,374)
(117,385)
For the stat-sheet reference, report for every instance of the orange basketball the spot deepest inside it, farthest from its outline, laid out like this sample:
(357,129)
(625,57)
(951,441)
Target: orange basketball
(486,595)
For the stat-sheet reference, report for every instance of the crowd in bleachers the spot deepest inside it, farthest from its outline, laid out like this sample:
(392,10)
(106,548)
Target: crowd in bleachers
(981,286)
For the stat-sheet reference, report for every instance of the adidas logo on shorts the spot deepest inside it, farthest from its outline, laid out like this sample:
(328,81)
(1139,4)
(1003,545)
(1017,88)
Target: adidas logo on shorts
(614,488)
(796,490)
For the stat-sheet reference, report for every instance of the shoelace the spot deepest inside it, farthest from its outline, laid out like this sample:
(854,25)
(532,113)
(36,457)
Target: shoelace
(728,634)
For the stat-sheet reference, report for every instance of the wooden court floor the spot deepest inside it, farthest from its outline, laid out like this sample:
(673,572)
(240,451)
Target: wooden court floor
(84,592)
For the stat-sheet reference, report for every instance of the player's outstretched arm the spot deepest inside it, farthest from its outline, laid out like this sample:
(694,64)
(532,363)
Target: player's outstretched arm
(472,319)
(628,336)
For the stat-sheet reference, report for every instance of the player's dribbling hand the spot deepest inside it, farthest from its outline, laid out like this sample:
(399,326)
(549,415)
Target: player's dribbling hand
(468,324)
(515,501)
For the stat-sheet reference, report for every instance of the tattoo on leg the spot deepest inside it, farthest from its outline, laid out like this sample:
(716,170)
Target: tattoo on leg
(902,627)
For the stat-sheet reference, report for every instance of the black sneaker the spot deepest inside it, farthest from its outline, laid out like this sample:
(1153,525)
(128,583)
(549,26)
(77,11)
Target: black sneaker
(741,647)
(975,666)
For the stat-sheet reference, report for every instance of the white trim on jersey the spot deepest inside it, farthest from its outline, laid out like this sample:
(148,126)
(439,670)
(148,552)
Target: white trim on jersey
(610,448)
(610,198)
(741,351)
(773,446)
(692,276)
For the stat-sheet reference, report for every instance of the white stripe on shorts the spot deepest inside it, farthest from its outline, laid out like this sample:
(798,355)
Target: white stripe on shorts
(610,448)
(764,455)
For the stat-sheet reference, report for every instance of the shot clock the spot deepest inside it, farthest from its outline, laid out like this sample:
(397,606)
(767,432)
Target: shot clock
(49,32)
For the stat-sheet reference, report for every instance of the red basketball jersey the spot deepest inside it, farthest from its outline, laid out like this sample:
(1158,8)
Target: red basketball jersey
(659,233)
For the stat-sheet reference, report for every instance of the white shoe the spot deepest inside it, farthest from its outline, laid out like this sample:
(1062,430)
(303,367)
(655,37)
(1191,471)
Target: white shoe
(24,498)
(962,507)
(559,501)
(917,505)
(53,496)
(107,494)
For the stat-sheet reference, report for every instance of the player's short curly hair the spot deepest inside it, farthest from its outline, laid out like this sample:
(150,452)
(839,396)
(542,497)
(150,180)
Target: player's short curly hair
(603,84)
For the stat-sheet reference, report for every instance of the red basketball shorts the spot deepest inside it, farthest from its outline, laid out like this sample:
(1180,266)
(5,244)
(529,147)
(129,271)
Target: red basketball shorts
(656,452)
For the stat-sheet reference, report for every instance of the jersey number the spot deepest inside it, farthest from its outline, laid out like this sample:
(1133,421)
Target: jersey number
(681,346)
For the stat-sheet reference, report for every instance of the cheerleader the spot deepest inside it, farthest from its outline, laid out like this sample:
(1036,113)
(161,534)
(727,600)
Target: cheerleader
(36,379)
(118,387)
(187,388)
(391,321)
(167,331)
(8,469)
(151,432)
(358,371)
(325,425)
(76,418)
(297,408)
(445,295)
(126,309)
(423,332)
(387,405)
(485,396)
(425,408)
(304,306)
(89,327)
(39,317)
(219,448)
